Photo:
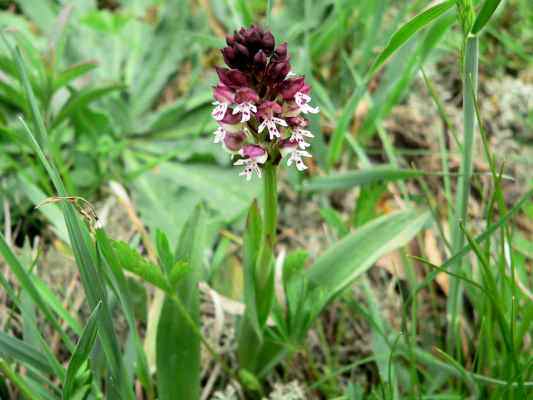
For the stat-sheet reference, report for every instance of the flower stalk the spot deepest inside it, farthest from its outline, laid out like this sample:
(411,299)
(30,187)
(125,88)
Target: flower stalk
(270,193)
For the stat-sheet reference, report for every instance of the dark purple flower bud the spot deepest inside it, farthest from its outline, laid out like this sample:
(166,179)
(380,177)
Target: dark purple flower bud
(246,95)
(268,42)
(260,60)
(242,51)
(289,87)
(276,72)
(230,40)
(234,141)
(230,56)
(254,38)
(232,77)
(280,54)
(223,94)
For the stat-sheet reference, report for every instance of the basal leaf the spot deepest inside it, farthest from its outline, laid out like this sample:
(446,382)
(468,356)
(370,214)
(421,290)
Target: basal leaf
(347,259)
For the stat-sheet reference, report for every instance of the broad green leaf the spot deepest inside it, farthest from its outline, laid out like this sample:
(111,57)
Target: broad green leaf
(178,343)
(348,180)
(81,352)
(41,12)
(252,243)
(408,30)
(82,98)
(250,332)
(352,256)
(488,8)
(167,196)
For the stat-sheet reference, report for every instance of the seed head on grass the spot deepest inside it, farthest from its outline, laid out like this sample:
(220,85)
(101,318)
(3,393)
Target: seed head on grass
(259,104)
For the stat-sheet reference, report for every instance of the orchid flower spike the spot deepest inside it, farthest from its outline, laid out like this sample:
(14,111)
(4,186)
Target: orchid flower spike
(260,103)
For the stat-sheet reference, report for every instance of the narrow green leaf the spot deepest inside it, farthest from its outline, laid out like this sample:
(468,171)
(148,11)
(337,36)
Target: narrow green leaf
(348,180)
(366,203)
(130,260)
(341,129)
(75,71)
(81,352)
(334,220)
(408,30)
(486,12)
(23,353)
(166,258)
(352,256)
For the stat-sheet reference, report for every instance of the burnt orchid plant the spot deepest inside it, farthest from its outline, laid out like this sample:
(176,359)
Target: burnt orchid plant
(260,107)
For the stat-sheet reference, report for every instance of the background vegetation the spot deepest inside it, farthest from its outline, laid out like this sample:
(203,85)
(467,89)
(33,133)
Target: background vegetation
(420,187)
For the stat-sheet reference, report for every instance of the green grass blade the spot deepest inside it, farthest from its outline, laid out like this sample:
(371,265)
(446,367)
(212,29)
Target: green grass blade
(114,263)
(82,352)
(24,353)
(37,118)
(486,12)
(408,30)
(24,279)
(335,146)
(18,381)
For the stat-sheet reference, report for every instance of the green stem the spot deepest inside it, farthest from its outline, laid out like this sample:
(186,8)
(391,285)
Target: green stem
(470,79)
(270,194)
